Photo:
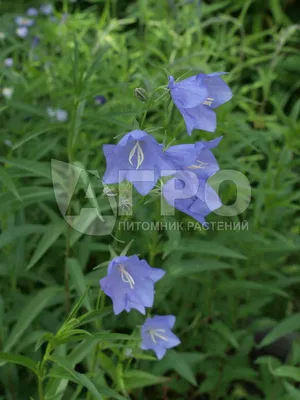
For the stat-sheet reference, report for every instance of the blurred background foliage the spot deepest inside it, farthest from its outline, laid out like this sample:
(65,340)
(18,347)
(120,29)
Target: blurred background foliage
(235,292)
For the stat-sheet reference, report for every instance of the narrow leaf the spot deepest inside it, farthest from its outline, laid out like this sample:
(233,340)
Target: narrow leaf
(18,359)
(50,236)
(78,280)
(33,308)
(289,325)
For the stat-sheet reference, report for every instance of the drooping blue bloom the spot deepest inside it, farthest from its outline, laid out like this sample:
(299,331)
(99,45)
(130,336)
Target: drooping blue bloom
(35,41)
(99,100)
(130,283)
(24,21)
(157,335)
(137,158)
(59,114)
(22,31)
(197,157)
(46,9)
(197,96)
(9,62)
(191,195)
(7,92)
(32,12)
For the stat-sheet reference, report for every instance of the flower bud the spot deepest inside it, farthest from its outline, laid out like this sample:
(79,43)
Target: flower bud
(141,94)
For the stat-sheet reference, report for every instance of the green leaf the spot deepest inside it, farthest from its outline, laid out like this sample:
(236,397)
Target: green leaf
(135,379)
(8,182)
(13,233)
(18,359)
(78,280)
(194,267)
(110,393)
(79,378)
(248,285)
(289,325)
(30,137)
(32,309)
(53,231)
(225,332)
(293,392)
(179,364)
(205,247)
(35,167)
(286,371)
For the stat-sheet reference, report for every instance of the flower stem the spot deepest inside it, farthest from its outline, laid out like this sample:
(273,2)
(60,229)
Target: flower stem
(67,289)
(41,389)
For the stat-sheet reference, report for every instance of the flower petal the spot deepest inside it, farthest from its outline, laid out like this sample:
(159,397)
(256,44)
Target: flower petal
(160,352)
(201,117)
(218,90)
(189,93)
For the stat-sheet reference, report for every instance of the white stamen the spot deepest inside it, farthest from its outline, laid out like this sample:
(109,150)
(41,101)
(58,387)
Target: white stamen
(155,333)
(140,155)
(126,277)
(208,101)
(199,164)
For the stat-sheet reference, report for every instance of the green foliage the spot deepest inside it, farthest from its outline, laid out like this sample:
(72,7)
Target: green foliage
(59,339)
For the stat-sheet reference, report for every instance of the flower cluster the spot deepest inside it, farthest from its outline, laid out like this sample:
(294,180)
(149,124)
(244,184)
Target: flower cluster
(25,22)
(139,159)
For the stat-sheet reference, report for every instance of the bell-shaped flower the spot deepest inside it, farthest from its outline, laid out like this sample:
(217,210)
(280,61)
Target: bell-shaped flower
(24,21)
(9,62)
(196,157)
(191,195)
(157,335)
(46,9)
(32,12)
(130,283)
(197,96)
(100,100)
(137,158)
(22,31)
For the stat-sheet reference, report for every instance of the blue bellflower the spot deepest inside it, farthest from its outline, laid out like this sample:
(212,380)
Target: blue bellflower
(137,158)
(197,157)
(35,41)
(32,12)
(157,335)
(9,62)
(197,96)
(130,283)
(193,197)
(46,9)
(24,21)
(99,100)
(22,31)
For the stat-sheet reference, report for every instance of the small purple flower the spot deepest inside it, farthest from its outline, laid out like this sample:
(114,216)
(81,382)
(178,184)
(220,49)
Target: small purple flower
(195,97)
(99,100)
(59,114)
(197,157)
(46,9)
(7,92)
(130,283)
(35,41)
(24,21)
(32,12)
(157,335)
(22,31)
(137,158)
(9,62)
(191,195)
